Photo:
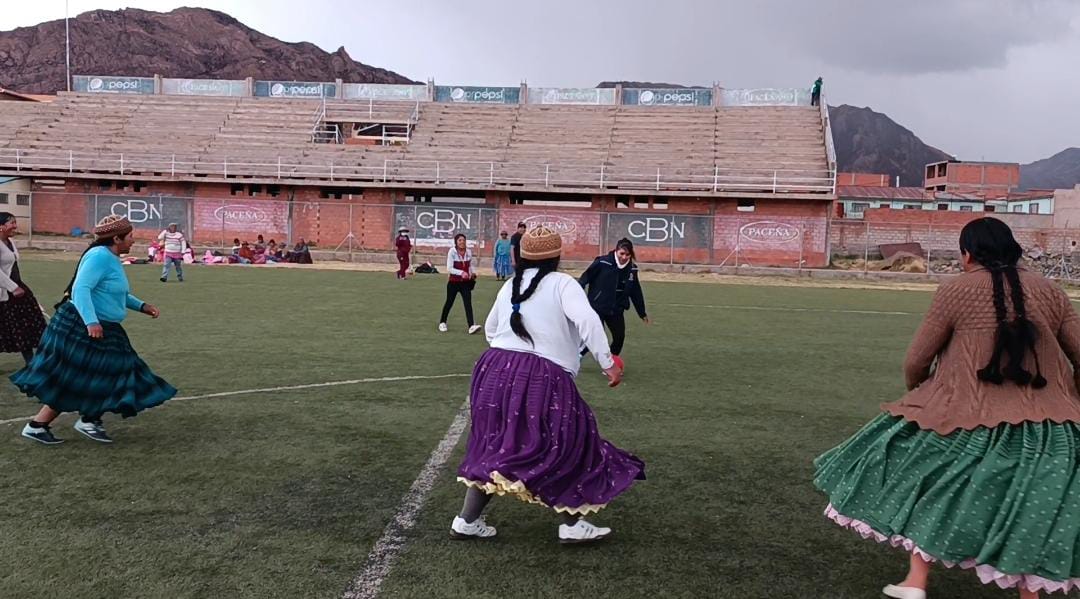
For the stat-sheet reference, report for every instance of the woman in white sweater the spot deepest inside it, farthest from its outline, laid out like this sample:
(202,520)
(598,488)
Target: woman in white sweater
(21,320)
(533,436)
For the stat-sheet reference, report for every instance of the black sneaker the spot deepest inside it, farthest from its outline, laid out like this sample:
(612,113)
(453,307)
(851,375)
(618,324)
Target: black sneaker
(164,279)
(41,435)
(94,430)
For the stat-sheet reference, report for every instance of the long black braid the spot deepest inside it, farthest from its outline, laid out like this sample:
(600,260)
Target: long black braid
(518,296)
(990,243)
(104,242)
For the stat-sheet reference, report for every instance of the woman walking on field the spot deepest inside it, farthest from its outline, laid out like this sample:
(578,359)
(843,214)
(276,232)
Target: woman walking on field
(612,284)
(461,282)
(85,362)
(533,436)
(21,320)
(977,466)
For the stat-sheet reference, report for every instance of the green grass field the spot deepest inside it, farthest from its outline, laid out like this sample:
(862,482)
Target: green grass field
(728,398)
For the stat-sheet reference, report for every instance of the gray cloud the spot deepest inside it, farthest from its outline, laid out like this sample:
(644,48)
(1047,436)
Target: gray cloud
(923,36)
(980,78)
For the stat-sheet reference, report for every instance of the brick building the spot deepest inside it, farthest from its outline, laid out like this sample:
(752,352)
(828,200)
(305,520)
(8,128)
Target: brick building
(989,180)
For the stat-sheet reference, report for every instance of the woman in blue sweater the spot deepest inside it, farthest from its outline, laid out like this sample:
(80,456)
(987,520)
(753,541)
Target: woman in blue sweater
(85,362)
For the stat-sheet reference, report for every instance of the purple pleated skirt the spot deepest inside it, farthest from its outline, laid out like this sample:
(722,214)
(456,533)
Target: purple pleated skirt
(535,438)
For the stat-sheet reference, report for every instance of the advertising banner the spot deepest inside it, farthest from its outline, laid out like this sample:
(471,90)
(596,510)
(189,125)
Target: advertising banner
(144,212)
(294,89)
(572,96)
(375,91)
(113,85)
(203,87)
(477,95)
(436,225)
(667,97)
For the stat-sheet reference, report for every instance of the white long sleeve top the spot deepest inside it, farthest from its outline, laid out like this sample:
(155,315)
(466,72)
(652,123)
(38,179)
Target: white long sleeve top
(558,317)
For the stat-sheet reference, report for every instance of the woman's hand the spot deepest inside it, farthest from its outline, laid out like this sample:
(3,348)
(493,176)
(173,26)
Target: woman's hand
(95,331)
(19,292)
(151,310)
(646,320)
(614,375)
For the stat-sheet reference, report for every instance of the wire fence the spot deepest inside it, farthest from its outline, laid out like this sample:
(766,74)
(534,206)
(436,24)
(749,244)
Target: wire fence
(350,228)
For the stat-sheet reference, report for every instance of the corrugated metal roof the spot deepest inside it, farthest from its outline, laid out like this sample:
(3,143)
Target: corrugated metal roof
(859,192)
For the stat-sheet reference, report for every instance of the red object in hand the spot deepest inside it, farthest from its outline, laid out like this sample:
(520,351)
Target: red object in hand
(618,362)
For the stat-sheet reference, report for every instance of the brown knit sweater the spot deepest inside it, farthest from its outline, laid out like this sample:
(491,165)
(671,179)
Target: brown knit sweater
(958,332)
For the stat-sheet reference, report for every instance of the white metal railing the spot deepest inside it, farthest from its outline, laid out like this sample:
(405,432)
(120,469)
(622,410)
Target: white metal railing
(441,172)
(830,147)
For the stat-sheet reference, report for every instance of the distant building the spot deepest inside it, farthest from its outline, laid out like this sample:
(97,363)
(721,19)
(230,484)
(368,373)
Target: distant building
(989,180)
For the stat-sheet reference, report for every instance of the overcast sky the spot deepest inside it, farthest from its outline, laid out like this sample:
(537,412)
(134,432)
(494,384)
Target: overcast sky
(982,79)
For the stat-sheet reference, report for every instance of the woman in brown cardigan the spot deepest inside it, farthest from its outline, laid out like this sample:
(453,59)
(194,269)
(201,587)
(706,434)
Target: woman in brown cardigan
(978,466)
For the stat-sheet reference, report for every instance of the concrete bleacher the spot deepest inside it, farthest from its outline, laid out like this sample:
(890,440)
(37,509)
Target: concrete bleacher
(623,146)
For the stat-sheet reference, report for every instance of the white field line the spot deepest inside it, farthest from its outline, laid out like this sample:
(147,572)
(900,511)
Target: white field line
(782,309)
(385,379)
(391,544)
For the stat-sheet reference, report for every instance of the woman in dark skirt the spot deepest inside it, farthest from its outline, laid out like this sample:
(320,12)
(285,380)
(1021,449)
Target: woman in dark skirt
(21,320)
(85,362)
(533,436)
(978,465)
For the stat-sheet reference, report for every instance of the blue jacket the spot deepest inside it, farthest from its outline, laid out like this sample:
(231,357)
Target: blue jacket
(611,288)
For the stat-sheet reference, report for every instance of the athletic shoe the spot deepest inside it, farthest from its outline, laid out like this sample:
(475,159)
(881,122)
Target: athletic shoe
(41,435)
(903,592)
(442,327)
(473,329)
(164,279)
(94,430)
(582,532)
(478,529)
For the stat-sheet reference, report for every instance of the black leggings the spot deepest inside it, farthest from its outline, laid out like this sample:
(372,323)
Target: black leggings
(452,291)
(616,323)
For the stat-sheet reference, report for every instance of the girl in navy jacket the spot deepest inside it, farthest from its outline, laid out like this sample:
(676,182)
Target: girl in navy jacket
(611,283)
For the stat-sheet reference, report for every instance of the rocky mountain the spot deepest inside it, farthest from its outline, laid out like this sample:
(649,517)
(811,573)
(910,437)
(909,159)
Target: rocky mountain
(1060,171)
(871,142)
(187,42)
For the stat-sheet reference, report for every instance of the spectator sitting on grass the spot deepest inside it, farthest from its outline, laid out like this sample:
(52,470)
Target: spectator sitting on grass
(236,247)
(246,253)
(273,252)
(300,253)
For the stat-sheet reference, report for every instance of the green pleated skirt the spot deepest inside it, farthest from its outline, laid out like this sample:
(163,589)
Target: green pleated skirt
(1004,501)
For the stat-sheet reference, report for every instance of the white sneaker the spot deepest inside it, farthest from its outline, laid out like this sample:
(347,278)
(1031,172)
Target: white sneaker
(478,529)
(473,329)
(582,532)
(903,592)
(442,327)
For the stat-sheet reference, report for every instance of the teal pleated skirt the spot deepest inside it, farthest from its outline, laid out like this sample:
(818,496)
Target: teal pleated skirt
(73,373)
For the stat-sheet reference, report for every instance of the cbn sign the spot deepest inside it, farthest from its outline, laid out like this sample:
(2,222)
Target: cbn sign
(673,230)
(145,212)
(437,225)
